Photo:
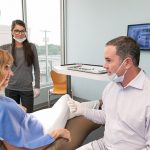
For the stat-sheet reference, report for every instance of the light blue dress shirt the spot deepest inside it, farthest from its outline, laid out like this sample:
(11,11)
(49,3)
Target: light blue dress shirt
(126,114)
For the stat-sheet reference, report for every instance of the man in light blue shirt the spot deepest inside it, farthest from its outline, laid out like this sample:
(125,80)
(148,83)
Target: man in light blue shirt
(126,100)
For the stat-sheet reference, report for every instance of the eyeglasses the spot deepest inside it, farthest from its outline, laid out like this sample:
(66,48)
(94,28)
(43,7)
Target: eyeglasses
(19,31)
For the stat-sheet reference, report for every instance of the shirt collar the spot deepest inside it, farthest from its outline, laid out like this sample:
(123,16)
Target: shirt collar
(138,81)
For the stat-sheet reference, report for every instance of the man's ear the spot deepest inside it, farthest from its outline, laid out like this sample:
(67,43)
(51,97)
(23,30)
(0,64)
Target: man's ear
(128,63)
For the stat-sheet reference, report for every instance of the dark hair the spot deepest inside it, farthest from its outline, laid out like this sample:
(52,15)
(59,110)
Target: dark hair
(126,47)
(28,53)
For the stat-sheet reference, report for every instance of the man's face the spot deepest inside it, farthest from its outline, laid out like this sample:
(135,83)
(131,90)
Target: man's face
(112,61)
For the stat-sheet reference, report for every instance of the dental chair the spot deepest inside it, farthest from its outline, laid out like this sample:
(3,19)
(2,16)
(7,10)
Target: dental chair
(79,127)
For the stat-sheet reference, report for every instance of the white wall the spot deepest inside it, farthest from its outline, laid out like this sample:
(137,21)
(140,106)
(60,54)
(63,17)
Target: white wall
(5,34)
(90,24)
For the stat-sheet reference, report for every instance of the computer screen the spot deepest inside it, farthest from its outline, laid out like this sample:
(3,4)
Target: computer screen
(141,34)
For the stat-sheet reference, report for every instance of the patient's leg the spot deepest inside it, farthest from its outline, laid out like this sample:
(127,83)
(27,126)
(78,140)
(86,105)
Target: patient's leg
(55,117)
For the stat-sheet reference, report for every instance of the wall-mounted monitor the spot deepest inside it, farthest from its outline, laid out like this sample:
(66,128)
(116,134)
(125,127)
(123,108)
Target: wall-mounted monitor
(141,34)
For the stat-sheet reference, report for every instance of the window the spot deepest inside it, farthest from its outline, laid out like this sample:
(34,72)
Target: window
(43,22)
(43,18)
(8,13)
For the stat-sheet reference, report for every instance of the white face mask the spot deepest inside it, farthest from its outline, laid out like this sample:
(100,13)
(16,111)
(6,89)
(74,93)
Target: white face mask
(114,77)
(20,40)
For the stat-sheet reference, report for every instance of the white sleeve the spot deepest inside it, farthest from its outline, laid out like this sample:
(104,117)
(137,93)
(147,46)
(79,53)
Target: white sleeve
(97,116)
(147,129)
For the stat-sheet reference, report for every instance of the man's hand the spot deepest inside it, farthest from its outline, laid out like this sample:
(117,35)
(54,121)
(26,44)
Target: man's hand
(64,133)
(76,108)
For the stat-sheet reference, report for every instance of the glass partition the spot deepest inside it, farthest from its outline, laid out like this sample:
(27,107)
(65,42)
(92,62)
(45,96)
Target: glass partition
(8,13)
(44,30)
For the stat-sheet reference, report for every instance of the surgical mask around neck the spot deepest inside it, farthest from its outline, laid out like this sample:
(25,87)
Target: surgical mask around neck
(117,78)
(20,40)
(114,77)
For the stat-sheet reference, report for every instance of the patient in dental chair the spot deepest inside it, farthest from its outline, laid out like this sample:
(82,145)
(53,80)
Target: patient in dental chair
(79,128)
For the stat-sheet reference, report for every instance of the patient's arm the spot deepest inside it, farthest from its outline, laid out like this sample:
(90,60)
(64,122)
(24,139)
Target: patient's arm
(61,133)
(57,133)
(79,127)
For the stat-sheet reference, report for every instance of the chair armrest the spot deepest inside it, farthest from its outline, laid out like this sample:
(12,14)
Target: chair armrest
(2,147)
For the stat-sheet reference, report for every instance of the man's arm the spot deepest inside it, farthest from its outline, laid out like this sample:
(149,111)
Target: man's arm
(95,115)
(147,130)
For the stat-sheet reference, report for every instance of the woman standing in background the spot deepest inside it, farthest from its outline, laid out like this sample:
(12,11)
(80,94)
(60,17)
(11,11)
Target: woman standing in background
(25,57)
